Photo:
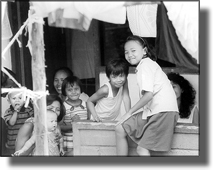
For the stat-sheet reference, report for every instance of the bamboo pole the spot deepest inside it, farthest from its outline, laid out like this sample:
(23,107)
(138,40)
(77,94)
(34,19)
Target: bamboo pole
(39,84)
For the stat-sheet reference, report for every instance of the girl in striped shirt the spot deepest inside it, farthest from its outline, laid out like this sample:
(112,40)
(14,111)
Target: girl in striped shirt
(75,109)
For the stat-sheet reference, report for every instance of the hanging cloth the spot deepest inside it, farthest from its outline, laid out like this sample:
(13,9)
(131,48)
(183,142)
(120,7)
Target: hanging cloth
(168,46)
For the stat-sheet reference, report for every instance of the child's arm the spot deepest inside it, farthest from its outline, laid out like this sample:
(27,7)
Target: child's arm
(101,93)
(27,145)
(13,118)
(126,98)
(147,96)
(61,142)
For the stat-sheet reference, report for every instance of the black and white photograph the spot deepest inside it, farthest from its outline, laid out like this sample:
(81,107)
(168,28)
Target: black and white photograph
(100,78)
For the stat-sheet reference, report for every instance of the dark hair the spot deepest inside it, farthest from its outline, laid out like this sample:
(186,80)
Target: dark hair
(63,69)
(4,81)
(117,66)
(50,99)
(143,44)
(187,98)
(70,80)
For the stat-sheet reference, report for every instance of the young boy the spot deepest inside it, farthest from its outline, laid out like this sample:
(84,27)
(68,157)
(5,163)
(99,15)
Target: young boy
(109,97)
(15,117)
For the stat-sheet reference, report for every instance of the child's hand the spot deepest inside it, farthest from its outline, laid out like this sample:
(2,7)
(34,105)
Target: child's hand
(62,152)
(17,108)
(17,153)
(97,118)
(75,118)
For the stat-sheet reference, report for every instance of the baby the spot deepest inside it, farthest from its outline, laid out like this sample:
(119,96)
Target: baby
(55,149)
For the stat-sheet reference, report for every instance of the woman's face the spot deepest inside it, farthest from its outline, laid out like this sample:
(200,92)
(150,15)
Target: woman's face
(58,80)
(55,106)
(177,89)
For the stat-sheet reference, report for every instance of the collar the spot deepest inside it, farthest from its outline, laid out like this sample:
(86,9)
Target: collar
(138,66)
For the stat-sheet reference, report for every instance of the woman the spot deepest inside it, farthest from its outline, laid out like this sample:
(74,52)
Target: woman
(185,95)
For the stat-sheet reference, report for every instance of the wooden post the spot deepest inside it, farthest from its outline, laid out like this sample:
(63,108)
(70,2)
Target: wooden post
(39,84)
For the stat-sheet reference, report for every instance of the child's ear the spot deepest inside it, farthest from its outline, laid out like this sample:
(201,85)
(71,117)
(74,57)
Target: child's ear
(8,100)
(145,49)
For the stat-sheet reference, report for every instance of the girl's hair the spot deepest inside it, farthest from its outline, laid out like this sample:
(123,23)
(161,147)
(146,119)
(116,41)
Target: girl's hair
(50,99)
(63,69)
(187,98)
(71,80)
(143,44)
(116,67)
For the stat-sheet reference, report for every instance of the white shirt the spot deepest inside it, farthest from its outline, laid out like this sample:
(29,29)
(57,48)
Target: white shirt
(150,77)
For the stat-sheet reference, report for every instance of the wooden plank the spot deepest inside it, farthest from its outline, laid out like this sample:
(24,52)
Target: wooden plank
(39,84)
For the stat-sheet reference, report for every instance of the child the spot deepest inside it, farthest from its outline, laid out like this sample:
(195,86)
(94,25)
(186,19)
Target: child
(15,117)
(59,75)
(55,104)
(108,98)
(75,109)
(153,128)
(185,94)
(53,130)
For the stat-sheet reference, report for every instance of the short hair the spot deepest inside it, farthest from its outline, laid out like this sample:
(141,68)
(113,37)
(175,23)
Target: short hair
(117,66)
(70,80)
(50,99)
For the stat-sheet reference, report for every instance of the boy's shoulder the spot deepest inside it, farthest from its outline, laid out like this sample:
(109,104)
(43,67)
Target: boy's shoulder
(104,89)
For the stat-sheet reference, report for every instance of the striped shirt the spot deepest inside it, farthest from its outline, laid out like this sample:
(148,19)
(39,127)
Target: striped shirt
(22,116)
(71,111)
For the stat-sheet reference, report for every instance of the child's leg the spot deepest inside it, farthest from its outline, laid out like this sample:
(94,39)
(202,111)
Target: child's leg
(142,151)
(121,141)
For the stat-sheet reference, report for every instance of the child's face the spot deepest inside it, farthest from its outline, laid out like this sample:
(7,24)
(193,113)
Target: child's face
(117,81)
(51,120)
(177,89)
(133,52)
(16,100)
(73,91)
(58,80)
(55,106)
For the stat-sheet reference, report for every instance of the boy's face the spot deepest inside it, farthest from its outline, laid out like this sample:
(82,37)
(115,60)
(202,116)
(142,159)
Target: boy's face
(73,92)
(117,80)
(51,120)
(16,100)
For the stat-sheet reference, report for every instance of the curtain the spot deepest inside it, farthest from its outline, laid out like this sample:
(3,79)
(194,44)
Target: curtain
(168,46)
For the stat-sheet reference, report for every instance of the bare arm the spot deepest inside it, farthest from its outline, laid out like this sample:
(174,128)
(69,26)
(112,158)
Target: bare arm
(195,120)
(13,118)
(147,96)
(24,134)
(101,93)
(26,146)
(126,98)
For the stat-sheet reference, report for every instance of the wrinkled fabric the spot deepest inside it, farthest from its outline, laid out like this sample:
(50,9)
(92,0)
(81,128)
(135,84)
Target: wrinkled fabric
(168,46)
(142,19)
(78,15)
(184,17)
